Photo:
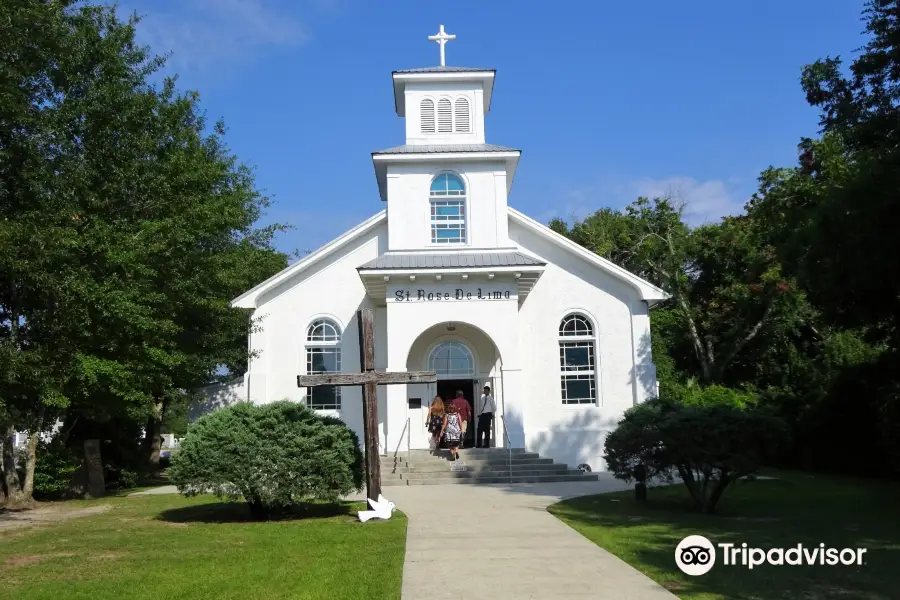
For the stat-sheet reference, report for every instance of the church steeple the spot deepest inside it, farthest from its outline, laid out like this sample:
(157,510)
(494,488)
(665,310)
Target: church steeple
(443,105)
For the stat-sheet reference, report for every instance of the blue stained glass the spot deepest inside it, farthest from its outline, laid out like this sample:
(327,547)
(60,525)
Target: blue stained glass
(448,233)
(445,183)
(448,210)
(453,183)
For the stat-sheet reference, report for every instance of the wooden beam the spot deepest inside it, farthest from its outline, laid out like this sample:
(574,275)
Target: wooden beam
(364,319)
(364,378)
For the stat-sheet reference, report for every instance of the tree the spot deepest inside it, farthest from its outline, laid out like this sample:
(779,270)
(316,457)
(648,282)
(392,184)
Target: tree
(726,285)
(127,227)
(853,263)
(708,445)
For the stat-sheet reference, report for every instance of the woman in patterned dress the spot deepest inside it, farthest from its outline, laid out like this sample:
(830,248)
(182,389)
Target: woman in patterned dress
(434,421)
(452,431)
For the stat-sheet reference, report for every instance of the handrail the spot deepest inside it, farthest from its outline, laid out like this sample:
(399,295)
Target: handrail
(508,448)
(400,440)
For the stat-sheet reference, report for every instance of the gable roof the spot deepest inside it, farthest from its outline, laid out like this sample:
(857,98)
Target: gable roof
(432,148)
(445,70)
(647,290)
(249,298)
(445,260)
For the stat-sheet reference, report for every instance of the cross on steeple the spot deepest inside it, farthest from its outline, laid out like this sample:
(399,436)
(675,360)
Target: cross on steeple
(441,37)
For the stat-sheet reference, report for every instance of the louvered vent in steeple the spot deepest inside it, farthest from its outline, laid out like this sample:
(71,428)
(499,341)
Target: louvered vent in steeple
(427,110)
(462,115)
(444,115)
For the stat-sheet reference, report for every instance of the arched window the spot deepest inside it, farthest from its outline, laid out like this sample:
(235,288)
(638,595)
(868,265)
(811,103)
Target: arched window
(452,360)
(426,108)
(577,361)
(323,355)
(445,116)
(448,209)
(461,115)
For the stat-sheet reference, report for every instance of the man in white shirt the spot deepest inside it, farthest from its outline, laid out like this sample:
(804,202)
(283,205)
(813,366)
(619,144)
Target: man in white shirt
(486,408)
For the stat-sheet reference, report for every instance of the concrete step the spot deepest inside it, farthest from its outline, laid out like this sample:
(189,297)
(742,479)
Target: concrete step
(445,462)
(545,465)
(461,479)
(479,474)
(504,451)
(463,455)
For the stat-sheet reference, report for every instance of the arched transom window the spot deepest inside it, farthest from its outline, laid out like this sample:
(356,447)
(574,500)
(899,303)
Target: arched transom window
(323,355)
(448,209)
(577,361)
(452,360)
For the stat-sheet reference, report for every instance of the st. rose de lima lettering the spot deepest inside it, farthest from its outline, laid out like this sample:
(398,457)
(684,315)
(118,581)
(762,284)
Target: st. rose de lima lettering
(458,294)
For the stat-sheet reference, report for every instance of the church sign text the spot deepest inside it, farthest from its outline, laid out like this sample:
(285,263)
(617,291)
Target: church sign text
(452,294)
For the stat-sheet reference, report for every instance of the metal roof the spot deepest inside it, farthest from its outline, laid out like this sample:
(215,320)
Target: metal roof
(446,70)
(436,148)
(451,260)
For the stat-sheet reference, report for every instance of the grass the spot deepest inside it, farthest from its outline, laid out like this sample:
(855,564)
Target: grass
(167,546)
(795,508)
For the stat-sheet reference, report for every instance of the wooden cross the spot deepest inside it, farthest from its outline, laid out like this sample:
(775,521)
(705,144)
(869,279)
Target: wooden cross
(369,380)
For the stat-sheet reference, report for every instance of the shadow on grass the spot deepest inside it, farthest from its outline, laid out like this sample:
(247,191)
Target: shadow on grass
(239,512)
(796,509)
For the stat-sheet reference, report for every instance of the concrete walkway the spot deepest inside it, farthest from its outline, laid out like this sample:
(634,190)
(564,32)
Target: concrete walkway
(499,542)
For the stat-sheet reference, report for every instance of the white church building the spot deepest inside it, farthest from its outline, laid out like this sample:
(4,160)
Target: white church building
(461,283)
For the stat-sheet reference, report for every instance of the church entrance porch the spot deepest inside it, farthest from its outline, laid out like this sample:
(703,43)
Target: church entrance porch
(464,359)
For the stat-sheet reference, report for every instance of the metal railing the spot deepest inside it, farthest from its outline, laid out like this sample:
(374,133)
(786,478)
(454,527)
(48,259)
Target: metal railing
(400,440)
(508,448)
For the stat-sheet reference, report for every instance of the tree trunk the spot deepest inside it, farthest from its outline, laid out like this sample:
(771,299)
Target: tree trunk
(687,476)
(154,433)
(257,508)
(718,490)
(14,495)
(154,444)
(30,462)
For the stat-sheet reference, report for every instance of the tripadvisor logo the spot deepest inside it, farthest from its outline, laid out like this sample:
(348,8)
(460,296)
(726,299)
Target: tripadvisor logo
(695,555)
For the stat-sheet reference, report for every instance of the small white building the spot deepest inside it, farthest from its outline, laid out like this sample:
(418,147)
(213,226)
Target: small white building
(460,283)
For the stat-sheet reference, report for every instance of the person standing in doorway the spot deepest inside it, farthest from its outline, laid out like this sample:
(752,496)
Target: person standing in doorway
(464,411)
(434,422)
(486,408)
(452,431)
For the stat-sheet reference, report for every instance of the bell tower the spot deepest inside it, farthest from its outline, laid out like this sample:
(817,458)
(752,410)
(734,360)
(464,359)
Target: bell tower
(445,186)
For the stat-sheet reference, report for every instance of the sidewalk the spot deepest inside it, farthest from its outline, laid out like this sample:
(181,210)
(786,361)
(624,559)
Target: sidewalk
(499,542)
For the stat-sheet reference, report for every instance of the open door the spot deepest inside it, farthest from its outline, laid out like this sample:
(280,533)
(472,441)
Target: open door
(419,396)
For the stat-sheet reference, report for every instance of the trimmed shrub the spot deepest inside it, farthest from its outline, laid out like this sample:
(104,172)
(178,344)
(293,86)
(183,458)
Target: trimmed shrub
(707,446)
(273,455)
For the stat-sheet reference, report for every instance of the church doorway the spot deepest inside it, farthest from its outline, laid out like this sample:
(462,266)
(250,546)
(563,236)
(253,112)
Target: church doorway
(447,389)
(464,359)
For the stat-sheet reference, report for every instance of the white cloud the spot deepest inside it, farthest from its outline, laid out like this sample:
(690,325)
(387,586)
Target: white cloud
(705,201)
(207,35)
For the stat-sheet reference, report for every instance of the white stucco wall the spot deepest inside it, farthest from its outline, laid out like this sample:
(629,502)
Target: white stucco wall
(330,288)
(574,434)
(216,396)
(409,207)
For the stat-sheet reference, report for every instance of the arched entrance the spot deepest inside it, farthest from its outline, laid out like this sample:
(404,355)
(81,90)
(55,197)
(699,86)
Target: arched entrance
(465,359)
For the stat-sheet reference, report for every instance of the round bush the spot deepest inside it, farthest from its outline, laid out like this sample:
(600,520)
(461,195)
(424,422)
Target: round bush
(272,455)
(707,446)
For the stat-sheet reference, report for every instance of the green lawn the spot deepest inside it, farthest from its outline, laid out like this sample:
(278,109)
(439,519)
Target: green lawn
(796,508)
(169,547)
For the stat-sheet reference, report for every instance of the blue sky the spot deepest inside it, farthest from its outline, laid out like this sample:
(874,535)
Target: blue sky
(607,100)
